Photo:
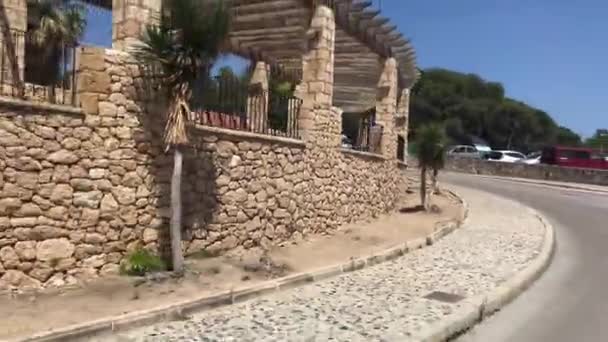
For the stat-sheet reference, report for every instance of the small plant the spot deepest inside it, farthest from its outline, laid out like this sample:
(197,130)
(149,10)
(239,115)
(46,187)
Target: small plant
(140,262)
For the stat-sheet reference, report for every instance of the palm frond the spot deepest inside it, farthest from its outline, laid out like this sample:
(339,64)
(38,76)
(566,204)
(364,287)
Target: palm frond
(60,22)
(74,22)
(431,143)
(188,40)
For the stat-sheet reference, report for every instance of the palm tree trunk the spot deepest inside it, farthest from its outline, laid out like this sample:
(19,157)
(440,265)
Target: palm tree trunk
(177,258)
(423,187)
(435,180)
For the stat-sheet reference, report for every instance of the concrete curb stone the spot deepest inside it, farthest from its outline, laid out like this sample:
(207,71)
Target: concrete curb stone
(106,326)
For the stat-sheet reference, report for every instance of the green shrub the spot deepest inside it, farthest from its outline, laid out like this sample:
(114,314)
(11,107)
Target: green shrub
(140,262)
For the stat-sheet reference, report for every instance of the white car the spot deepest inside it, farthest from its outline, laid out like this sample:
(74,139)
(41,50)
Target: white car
(532,158)
(505,156)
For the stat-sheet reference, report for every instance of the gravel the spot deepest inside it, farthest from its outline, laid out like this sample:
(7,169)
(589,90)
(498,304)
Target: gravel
(384,302)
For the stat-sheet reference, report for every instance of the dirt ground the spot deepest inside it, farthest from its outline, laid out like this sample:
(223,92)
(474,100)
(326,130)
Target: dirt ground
(25,314)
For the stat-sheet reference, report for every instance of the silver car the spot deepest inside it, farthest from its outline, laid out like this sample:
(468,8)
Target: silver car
(464,151)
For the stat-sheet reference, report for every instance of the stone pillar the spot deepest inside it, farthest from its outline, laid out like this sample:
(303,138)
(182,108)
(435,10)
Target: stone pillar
(257,100)
(91,78)
(402,120)
(12,41)
(318,74)
(386,108)
(129,19)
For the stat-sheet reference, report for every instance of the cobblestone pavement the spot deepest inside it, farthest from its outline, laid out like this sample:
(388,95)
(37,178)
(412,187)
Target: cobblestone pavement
(384,302)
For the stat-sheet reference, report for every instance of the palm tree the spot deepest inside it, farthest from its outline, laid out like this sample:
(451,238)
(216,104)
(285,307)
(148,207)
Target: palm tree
(59,25)
(431,142)
(189,38)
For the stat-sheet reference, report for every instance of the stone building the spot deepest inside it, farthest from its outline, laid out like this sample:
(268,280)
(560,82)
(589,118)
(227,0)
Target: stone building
(83,185)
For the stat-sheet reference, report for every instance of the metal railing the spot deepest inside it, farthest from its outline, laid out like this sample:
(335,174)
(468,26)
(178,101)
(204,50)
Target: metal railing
(32,72)
(229,102)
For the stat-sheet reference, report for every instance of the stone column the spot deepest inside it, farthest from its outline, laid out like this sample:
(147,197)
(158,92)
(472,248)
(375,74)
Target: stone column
(12,41)
(257,100)
(402,119)
(318,75)
(92,79)
(386,108)
(129,19)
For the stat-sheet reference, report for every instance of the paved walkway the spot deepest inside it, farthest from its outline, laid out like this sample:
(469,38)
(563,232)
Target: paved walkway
(385,302)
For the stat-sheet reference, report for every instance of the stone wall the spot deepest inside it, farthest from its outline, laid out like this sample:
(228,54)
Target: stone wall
(78,190)
(81,188)
(245,189)
(242,189)
(78,193)
(543,172)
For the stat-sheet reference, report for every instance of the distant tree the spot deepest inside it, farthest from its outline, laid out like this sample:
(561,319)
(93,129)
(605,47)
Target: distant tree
(430,144)
(599,140)
(455,130)
(567,137)
(481,109)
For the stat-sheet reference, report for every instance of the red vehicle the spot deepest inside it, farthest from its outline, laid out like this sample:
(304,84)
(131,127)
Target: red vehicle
(574,157)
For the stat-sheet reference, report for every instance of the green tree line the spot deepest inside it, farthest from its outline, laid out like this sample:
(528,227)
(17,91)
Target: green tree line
(599,140)
(470,106)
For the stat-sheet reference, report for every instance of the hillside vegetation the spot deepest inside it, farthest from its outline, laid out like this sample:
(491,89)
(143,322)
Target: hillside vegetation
(468,105)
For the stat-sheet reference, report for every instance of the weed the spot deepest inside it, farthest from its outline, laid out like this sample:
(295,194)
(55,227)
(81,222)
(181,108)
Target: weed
(140,262)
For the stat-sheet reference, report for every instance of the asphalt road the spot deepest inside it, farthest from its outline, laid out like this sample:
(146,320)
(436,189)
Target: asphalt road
(570,301)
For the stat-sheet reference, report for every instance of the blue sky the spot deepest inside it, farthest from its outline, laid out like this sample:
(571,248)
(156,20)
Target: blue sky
(551,54)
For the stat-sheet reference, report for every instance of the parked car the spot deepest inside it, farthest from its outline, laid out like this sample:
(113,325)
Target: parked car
(505,156)
(532,158)
(481,145)
(482,149)
(574,157)
(464,151)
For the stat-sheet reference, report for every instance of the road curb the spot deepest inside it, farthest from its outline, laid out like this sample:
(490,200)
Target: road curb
(472,311)
(84,331)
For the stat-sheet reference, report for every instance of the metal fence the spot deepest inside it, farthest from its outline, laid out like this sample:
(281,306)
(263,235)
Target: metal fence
(230,102)
(42,73)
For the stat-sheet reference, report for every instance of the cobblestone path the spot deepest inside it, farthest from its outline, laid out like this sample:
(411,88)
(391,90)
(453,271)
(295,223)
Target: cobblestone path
(384,302)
